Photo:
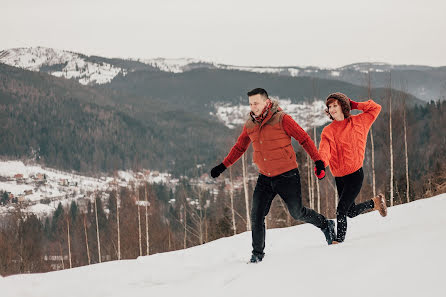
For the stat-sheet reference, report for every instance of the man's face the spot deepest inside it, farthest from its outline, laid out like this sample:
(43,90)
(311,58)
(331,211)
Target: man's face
(257,103)
(335,110)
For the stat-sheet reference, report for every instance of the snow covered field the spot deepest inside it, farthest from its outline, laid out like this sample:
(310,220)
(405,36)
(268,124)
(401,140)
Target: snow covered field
(400,255)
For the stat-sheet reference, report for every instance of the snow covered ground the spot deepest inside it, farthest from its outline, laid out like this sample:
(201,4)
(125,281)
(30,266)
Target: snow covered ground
(400,255)
(305,114)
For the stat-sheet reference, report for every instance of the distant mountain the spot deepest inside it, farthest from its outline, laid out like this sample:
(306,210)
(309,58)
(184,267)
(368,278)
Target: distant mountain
(180,121)
(424,82)
(70,126)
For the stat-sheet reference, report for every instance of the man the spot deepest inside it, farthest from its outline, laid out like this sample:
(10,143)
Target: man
(270,131)
(342,147)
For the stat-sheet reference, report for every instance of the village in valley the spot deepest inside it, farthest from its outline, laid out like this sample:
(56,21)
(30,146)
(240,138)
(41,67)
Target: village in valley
(39,190)
(35,189)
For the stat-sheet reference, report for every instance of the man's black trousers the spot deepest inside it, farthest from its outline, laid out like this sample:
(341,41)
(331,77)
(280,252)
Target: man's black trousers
(287,186)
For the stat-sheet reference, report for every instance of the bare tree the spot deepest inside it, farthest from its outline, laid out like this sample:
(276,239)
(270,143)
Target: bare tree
(391,141)
(185,227)
(201,215)
(335,190)
(117,222)
(317,184)
(86,241)
(231,194)
(405,147)
(245,188)
(287,213)
(61,255)
(139,221)
(369,88)
(97,228)
(147,222)
(69,242)
(310,183)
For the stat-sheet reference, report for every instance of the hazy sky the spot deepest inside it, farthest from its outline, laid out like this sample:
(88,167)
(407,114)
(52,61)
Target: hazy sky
(239,32)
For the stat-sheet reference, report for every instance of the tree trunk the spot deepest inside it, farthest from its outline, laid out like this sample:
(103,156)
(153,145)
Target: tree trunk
(310,197)
(405,154)
(170,241)
(245,188)
(200,211)
(287,213)
(391,141)
(317,183)
(185,228)
(117,223)
(139,222)
(373,163)
(369,88)
(86,241)
(61,255)
(97,230)
(231,194)
(69,243)
(147,222)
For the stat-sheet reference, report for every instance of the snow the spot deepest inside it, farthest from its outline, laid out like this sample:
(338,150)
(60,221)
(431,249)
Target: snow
(76,66)
(306,114)
(88,72)
(293,71)
(232,116)
(14,188)
(254,69)
(33,58)
(399,255)
(172,65)
(41,209)
(59,186)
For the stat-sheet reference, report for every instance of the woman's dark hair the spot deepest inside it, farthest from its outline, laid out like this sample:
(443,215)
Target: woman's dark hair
(258,91)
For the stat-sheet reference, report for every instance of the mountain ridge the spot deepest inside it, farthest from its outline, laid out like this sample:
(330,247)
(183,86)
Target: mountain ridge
(95,70)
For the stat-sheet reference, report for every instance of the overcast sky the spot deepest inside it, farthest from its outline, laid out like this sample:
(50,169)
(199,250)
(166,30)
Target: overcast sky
(239,32)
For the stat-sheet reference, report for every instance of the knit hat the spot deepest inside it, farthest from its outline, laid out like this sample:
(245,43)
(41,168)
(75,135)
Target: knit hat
(342,98)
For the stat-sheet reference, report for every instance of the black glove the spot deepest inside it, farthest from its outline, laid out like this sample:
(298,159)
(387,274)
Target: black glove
(217,170)
(320,169)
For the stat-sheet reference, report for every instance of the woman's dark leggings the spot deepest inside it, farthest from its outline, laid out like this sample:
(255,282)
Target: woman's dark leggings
(349,187)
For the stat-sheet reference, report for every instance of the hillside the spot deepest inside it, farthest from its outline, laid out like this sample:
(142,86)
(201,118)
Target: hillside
(69,126)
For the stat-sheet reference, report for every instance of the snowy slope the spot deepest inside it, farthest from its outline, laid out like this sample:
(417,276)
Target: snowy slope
(400,255)
(177,65)
(64,64)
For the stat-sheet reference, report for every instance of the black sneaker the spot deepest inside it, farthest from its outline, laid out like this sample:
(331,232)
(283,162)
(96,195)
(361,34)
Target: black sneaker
(255,259)
(329,232)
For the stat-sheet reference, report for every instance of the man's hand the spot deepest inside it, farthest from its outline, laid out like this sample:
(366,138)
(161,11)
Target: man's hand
(217,170)
(319,169)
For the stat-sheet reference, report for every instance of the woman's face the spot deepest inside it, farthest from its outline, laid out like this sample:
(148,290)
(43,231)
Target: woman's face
(335,110)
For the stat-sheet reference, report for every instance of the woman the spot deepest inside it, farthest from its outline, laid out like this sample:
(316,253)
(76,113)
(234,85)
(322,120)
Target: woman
(342,148)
